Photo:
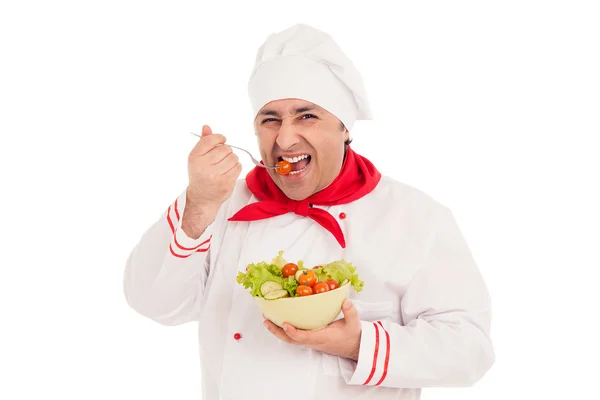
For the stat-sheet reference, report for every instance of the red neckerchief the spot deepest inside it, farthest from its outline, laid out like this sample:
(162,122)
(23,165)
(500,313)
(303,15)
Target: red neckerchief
(357,178)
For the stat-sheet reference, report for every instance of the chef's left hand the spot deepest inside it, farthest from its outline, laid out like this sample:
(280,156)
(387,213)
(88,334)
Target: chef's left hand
(340,338)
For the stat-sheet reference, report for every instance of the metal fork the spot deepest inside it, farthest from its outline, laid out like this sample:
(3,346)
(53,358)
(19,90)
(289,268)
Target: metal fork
(254,160)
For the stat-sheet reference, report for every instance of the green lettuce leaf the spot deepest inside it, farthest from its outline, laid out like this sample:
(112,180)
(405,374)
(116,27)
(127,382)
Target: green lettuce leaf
(256,275)
(290,284)
(275,270)
(340,271)
(322,274)
(279,261)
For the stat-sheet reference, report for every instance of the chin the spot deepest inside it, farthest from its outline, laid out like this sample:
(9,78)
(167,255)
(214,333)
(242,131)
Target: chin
(297,193)
(296,190)
(298,186)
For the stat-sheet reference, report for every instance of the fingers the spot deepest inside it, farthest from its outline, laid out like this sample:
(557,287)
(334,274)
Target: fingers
(208,143)
(206,130)
(218,154)
(297,335)
(278,332)
(234,172)
(350,312)
(226,164)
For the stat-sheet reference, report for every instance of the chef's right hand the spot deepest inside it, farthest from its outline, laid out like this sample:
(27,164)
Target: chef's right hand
(213,169)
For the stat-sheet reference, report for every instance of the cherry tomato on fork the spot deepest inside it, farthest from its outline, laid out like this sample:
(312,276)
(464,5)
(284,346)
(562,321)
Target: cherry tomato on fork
(283,167)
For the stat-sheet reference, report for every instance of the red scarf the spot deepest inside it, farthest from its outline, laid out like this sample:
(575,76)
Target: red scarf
(357,178)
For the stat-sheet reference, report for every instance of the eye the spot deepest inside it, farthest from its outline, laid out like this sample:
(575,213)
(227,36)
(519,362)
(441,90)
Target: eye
(306,116)
(268,120)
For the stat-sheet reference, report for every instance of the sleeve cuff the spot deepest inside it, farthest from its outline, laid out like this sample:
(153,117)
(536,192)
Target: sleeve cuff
(182,246)
(372,365)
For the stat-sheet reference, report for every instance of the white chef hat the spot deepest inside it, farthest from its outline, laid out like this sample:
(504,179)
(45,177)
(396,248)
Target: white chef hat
(305,63)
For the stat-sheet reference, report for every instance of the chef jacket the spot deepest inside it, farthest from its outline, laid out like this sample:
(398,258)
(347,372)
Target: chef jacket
(425,309)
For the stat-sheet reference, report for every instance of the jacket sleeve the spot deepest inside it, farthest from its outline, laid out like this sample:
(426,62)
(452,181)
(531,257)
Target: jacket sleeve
(166,271)
(444,340)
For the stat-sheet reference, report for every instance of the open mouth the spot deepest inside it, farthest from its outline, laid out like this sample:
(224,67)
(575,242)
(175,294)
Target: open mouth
(299,163)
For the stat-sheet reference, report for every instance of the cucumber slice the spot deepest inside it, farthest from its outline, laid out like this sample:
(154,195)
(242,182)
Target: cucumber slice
(276,294)
(345,281)
(269,287)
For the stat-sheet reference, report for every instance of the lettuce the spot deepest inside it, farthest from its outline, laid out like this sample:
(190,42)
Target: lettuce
(274,270)
(290,284)
(257,274)
(279,261)
(340,271)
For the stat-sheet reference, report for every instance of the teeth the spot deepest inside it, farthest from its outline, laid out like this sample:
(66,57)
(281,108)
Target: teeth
(297,172)
(295,159)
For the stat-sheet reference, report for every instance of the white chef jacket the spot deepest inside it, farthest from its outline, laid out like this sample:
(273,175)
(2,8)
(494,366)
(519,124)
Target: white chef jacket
(425,309)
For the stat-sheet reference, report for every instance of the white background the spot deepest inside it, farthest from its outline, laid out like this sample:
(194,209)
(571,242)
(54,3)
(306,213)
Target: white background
(492,108)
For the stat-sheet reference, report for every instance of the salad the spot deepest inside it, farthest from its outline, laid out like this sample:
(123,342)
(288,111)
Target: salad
(280,278)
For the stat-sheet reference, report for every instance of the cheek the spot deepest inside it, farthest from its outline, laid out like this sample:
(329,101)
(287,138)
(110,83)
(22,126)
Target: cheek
(330,156)
(266,142)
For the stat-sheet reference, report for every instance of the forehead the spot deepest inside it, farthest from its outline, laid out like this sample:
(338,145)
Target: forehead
(289,107)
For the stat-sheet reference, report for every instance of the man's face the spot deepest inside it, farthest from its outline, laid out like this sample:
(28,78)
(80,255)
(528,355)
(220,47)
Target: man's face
(306,135)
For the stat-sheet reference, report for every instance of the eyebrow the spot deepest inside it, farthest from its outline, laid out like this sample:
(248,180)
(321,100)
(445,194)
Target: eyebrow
(276,114)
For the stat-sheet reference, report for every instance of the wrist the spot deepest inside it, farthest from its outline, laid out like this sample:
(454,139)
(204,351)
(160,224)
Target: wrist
(197,217)
(200,207)
(355,350)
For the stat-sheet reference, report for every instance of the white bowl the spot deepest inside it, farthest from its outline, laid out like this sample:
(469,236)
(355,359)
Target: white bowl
(311,312)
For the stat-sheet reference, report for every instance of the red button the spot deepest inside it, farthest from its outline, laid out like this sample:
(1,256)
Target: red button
(237,336)
(342,215)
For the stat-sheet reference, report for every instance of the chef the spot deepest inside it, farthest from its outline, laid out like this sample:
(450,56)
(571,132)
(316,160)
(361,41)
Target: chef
(421,320)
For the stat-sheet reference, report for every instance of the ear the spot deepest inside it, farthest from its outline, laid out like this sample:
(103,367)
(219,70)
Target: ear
(345,131)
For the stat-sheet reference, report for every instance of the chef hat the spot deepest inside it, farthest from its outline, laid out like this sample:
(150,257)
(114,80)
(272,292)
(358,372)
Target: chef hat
(305,63)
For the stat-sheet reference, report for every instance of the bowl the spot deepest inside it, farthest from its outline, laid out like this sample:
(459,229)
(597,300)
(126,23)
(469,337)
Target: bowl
(308,312)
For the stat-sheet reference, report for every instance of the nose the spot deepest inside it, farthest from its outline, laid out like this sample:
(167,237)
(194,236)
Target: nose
(287,136)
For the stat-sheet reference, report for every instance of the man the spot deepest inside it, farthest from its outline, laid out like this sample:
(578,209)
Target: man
(423,316)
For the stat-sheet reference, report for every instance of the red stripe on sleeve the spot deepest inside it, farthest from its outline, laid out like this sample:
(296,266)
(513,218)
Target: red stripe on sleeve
(203,250)
(177,255)
(169,220)
(191,248)
(176,211)
(387,354)
(374,355)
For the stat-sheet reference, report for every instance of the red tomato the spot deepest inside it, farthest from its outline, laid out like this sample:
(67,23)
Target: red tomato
(307,277)
(304,290)
(333,284)
(320,287)
(283,167)
(289,270)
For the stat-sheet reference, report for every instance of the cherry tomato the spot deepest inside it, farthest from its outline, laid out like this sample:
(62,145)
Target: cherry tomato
(333,284)
(283,167)
(289,270)
(320,287)
(307,277)
(304,290)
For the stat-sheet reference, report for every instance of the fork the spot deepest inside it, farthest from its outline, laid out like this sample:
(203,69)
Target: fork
(254,160)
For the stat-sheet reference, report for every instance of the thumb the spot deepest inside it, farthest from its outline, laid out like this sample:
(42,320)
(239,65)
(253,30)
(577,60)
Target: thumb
(350,312)
(206,130)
